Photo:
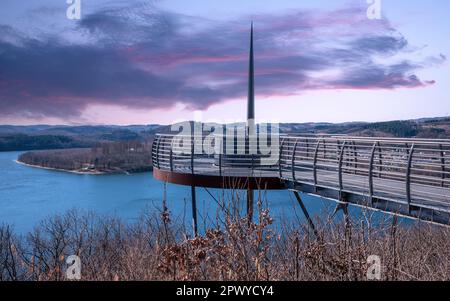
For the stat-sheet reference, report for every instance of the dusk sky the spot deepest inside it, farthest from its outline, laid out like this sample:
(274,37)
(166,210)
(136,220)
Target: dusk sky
(142,62)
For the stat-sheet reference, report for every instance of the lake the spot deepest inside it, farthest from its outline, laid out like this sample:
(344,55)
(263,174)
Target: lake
(28,195)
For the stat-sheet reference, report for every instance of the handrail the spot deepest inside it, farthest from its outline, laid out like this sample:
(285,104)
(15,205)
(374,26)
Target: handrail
(409,170)
(341,155)
(442,164)
(380,159)
(157,152)
(315,162)
(293,159)
(280,153)
(192,153)
(408,176)
(171,155)
(372,157)
(355,156)
(445,142)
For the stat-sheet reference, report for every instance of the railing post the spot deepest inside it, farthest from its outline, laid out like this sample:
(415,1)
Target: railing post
(253,164)
(442,165)
(157,151)
(305,212)
(372,157)
(220,165)
(293,159)
(154,143)
(315,163)
(380,160)
(192,153)
(194,211)
(280,156)
(171,155)
(341,157)
(222,150)
(408,177)
(171,159)
(307,147)
(193,192)
(355,156)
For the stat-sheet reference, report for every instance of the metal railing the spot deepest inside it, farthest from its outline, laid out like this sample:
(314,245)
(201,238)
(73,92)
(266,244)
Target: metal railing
(414,171)
(410,171)
(191,155)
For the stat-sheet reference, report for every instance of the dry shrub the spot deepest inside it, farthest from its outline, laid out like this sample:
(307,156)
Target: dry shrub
(156,248)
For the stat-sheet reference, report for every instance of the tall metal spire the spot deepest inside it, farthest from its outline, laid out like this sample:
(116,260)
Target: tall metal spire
(251,82)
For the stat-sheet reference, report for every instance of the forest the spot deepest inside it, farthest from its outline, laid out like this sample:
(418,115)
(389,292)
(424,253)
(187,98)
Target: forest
(43,137)
(158,246)
(108,157)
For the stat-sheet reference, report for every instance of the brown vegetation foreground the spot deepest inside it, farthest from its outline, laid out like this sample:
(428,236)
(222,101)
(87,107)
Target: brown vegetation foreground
(154,248)
(110,157)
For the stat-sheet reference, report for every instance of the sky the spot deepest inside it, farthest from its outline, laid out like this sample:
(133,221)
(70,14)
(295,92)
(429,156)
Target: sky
(164,61)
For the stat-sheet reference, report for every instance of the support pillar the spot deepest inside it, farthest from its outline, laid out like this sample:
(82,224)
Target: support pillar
(250,204)
(344,208)
(305,212)
(194,211)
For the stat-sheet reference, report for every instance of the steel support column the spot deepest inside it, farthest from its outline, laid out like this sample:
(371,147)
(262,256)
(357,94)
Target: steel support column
(157,151)
(194,211)
(193,194)
(344,208)
(305,212)
(442,165)
(250,202)
(372,157)
(380,160)
(293,160)
(408,177)
(171,155)
(341,157)
(315,164)
(280,159)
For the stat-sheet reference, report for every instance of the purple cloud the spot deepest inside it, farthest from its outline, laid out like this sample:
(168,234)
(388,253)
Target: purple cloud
(142,59)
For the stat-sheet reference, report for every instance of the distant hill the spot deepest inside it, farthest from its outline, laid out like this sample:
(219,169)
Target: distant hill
(15,142)
(39,137)
(436,128)
(106,158)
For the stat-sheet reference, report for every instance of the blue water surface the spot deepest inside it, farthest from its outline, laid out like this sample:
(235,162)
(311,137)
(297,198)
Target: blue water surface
(28,195)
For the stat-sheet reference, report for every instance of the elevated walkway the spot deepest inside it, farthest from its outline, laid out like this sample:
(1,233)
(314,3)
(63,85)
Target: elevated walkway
(408,177)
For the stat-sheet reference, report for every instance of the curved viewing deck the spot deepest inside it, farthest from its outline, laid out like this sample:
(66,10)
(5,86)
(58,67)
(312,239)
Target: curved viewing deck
(408,177)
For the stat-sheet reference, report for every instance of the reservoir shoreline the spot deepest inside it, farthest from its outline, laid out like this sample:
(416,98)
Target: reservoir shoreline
(78,172)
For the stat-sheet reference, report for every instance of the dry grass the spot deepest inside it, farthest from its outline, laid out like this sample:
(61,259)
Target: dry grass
(155,248)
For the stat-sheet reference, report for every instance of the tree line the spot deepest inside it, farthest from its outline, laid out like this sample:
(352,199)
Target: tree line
(129,156)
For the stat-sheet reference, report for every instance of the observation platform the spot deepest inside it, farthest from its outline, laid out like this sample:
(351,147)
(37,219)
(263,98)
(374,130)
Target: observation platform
(407,177)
